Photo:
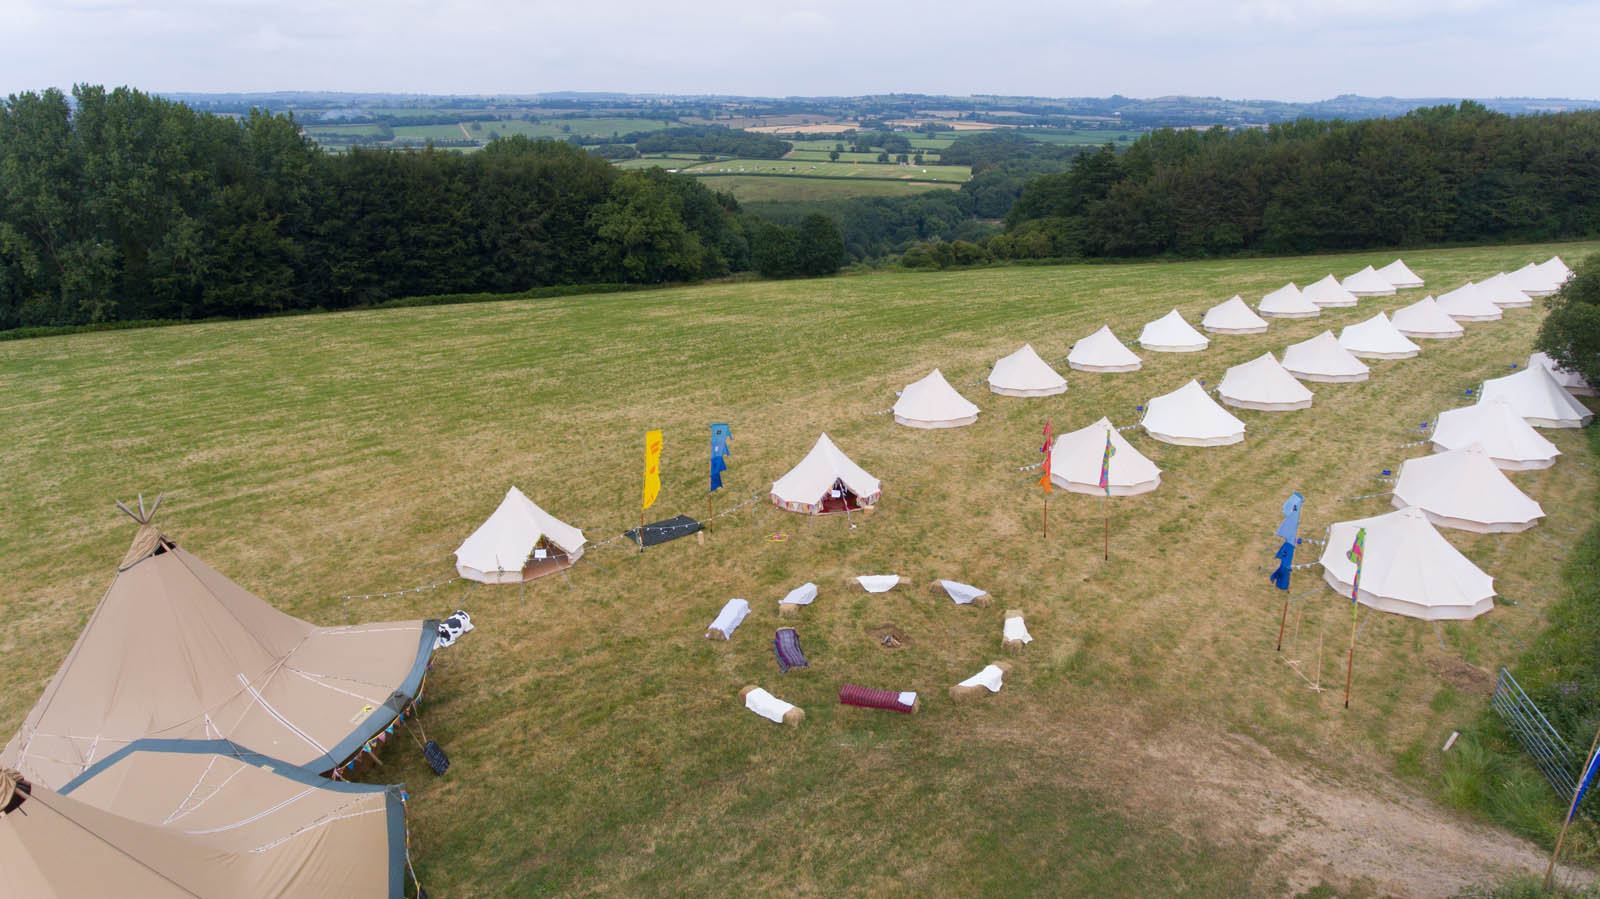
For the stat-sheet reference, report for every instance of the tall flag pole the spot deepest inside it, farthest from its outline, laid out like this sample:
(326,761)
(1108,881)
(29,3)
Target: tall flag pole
(1289,531)
(1357,554)
(1577,797)
(1044,480)
(719,451)
(652,477)
(1105,484)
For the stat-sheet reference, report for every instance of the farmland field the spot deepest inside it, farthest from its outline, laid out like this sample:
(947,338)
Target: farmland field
(751,188)
(948,173)
(1149,741)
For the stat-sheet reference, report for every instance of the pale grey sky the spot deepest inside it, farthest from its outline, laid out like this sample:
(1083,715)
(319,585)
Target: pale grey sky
(1270,49)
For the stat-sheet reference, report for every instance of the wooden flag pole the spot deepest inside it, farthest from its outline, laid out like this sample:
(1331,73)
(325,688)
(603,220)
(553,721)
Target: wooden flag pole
(1571,810)
(1105,503)
(1285,620)
(1047,515)
(709,513)
(1350,664)
(641,530)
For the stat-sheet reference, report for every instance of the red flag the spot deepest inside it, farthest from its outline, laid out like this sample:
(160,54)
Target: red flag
(1044,480)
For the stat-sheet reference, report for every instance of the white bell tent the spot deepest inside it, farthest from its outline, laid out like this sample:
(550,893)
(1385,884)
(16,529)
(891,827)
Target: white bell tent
(1102,352)
(1023,373)
(1171,334)
(1464,489)
(1286,302)
(1510,443)
(825,481)
(1233,317)
(1322,359)
(1076,458)
(1424,320)
(1377,338)
(518,542)
(933,403)
(1189,416)
(1408,568)
(1264,385)
(1539,398)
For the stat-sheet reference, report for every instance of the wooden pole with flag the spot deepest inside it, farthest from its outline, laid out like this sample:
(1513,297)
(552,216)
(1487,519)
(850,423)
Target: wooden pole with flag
(1105,484)
(1044,480)
(652,477)
(1577,796)
(1357,554)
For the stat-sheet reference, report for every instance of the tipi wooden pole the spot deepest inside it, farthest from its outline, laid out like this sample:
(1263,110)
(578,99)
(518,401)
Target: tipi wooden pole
(1571,809)
(1283,621)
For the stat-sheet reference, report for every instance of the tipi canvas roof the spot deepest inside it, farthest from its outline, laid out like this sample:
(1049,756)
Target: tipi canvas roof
(1102,352)
(1510,443)
(1368,283)
(1076,458)
(933,403)
(1539,398)
(1408,568)
(175,650)
(1171,334)
(1400,275)
(496,551)
(1286,302)
(1329,292)
(1023,373)
(1233,317)
(1376,338)
(1503,292)
(1264,385)
(1534,281)
(1571,380)
(1322,359)
(1556,270)
(1190,417)
(806,485)
(1425,320)
(1469,304)
(1464,489)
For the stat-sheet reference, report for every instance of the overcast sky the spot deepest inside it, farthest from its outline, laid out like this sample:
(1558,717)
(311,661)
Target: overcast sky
(1258,49)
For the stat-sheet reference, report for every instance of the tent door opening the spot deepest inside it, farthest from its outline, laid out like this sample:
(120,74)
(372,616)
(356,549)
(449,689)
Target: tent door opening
(553,560)
(838,499)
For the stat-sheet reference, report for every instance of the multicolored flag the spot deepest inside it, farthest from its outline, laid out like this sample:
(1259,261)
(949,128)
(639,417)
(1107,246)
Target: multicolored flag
(652,468)
(1105,465)
(1357,553)
(1049,445)
(719,451)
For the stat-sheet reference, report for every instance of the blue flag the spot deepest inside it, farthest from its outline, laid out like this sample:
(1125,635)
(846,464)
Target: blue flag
(1289,528)
(719,450)
(1583,783)
(717,468)
(1285,556)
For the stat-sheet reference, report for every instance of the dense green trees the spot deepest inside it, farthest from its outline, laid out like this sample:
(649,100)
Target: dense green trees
(1570,334)
(714,139)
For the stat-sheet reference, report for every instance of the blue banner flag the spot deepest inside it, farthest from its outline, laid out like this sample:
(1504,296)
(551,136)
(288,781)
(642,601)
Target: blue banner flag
(1583,783)
(1289,529)
(1285,556)
(719,450)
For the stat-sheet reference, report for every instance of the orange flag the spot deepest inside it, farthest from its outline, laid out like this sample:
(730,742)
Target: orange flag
(1044,480)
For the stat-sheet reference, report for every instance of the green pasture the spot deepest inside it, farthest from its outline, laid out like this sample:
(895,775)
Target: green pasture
(751,188)
(1149,742)
(1092,137)
(892,171)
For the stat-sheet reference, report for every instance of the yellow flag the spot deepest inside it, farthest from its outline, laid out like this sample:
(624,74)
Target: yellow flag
(652,467)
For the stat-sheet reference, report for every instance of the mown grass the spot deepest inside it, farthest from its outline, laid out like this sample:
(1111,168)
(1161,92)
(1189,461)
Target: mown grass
(950,173)
(597,740)
(747,188)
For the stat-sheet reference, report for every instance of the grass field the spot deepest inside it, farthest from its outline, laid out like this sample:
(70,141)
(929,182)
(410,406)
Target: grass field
(1094,137)
(948,173)
(1149,742)
(750,188)
(666,162)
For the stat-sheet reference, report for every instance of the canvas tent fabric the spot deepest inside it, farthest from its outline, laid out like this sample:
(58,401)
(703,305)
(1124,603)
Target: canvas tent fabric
(1233,317)
(1322,359)
(203,818)
(1425,320)
(1464,489)
(1102,352)
(1286,302)
(1264,385)
(1539,398)
(1503,292)
(1368,283)
(932,403)
(1077,456)
(1571,380)
(1400,275)
(175,650)
(1556,270)
(1511,443)
(807,486)
(1377,338)
(1534,281)
(1408,568)
(1329,293)
(1171,334)
(1468,304)
(1023,373)
(1190,417)
(504,546)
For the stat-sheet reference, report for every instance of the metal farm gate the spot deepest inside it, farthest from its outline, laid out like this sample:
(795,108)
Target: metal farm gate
(1551,753)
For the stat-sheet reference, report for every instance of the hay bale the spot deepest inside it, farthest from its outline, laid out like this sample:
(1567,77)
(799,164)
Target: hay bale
(959,693)
(712,630)
(1011,645)
(746,691)
(794,716)
(1005,667)
(983,601)
(788,610)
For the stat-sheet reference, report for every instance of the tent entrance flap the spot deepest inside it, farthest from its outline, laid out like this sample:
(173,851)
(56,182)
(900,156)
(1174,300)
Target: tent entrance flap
(661,531)
(546,558)
(839,499)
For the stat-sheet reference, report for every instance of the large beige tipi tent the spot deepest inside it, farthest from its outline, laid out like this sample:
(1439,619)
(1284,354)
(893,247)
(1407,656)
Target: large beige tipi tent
(1400,275)
(1171,334)
(1504,292)
(1286,302)
(1076,458)
(1322,359)
(1329,293)
(1425,320)
(1469,304)
(1539,398)
(825,481)
(1571,380)
(1464,489)
(1190,417)
(1023,373)
(1510,443)
(1368,283)
(1102,352)
(1233,317)
(175,650)
(932,403)
(1377,338)
(201,818)
(518,542)
(1408,568)
(1264,385)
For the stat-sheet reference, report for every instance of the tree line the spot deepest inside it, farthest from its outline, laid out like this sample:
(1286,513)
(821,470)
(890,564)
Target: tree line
(119,206)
